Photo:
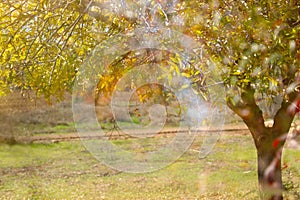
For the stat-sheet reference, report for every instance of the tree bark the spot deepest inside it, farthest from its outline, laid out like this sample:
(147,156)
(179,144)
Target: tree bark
(269,173)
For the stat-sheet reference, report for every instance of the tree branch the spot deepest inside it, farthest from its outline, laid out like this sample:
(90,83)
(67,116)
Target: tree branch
(284,116)
(248,110)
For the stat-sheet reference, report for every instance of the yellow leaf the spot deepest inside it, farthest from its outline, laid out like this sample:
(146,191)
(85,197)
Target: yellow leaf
(185,74)
(238,72)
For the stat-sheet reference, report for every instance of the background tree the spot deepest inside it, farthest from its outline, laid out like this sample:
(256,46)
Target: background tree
(44,42)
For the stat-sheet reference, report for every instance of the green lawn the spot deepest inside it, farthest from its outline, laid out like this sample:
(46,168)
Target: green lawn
(66,170)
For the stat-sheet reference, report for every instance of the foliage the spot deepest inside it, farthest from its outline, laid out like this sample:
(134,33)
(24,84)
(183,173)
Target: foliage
(261,49)
(43,43)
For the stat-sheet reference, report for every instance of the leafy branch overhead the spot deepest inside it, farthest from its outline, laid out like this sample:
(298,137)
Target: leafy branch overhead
(43,43)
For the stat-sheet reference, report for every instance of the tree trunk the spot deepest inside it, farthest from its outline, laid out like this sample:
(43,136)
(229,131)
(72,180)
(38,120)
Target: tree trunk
(269,173)
(269,141)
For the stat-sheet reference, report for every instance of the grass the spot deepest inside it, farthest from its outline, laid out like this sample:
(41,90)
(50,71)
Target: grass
(43,129)
(66,170)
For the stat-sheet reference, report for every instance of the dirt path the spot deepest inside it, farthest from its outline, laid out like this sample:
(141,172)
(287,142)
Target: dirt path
(116,134)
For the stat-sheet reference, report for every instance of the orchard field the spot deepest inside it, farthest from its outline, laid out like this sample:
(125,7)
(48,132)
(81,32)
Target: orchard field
(52,163)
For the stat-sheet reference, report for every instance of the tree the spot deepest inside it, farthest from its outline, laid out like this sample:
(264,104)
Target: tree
(44,42)
(258,41)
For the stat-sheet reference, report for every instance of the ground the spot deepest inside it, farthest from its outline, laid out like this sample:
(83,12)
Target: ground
(66,170)
(50,162)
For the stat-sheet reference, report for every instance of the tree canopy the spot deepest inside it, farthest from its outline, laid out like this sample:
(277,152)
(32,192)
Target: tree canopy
(45,42)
